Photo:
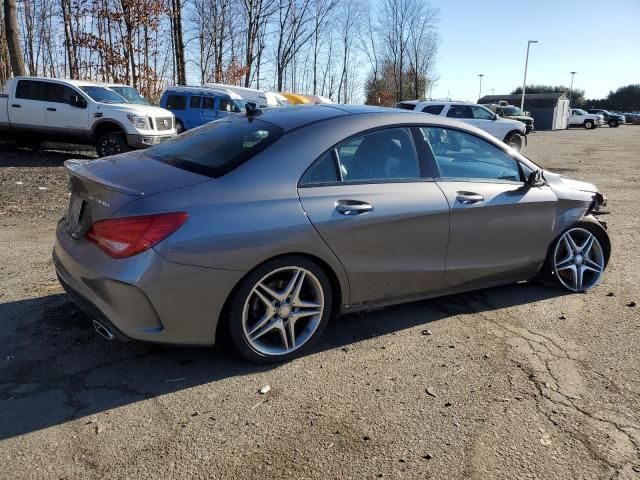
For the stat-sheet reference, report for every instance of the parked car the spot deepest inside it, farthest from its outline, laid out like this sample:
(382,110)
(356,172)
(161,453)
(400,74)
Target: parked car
(257,98)
(631,117)
(272,223)
(195,106)
(504,110)
(611,119)
(34,110)
(303,99)
(579,117)
(131,94)
(511,132)
(276,100)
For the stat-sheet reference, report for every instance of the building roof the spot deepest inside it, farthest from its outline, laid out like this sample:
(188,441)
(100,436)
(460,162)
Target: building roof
(527,96)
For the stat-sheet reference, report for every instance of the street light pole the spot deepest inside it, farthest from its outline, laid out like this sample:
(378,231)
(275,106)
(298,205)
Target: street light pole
(480,75)
(526,64)
(571,89)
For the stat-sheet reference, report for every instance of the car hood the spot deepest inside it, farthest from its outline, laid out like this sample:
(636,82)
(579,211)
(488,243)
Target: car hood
(559,180)
(137,109)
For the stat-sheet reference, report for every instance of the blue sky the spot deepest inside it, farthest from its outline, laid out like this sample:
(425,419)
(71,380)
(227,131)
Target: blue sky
(598,39)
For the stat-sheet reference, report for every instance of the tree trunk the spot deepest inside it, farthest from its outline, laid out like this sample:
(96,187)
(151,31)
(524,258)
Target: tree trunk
(179,44)
(13,38)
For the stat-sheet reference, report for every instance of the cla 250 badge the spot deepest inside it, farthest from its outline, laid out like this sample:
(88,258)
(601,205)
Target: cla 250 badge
(98,201)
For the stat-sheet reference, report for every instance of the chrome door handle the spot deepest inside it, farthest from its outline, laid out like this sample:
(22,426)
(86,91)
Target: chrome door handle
(469,198)
(51,109)
(353,207)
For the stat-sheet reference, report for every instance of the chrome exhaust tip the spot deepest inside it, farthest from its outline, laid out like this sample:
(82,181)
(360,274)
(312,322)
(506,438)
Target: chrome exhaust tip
(103,330)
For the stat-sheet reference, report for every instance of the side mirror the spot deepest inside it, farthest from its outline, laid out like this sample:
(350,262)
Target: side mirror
(535,179)
(77,101)
(495,117)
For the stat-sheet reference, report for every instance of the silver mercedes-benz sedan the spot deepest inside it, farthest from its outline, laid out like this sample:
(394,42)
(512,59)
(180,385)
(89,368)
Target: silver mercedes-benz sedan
(272,222)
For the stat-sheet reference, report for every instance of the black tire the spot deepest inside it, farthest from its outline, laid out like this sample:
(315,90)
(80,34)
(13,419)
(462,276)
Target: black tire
(589,124)
(244,289)
(179,127)
(514,140)
(111,143)
(613,123)
(547,275)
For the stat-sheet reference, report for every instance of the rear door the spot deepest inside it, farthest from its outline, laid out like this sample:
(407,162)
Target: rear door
(60,114)
(27,108)
(501,227)
(374,205)
(209,110)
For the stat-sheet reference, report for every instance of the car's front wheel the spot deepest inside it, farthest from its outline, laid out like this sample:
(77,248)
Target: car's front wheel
(613,123)
(514,140)
(111,143)
(589,124)
(576,260)
(280,309)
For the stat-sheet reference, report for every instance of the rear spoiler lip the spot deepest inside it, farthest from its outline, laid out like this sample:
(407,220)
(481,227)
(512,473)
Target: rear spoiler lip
(76,167)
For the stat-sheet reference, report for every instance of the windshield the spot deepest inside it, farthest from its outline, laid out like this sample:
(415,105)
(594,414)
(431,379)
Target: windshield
(103,94)
(131,95)
(512,111)
(217,147)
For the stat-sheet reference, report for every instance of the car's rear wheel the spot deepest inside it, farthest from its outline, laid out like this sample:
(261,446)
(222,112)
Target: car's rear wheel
(588,124)
(280,309)
(613,123)
(577,259)
(514,140)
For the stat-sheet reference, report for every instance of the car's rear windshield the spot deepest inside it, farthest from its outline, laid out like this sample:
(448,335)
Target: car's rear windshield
(218,147)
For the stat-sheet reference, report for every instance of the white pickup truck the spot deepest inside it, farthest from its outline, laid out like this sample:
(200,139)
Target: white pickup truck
(580,118)
(34,110)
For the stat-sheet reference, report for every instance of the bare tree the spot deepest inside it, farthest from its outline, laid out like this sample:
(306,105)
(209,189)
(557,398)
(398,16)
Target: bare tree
(423,47)
(257,13)
(176,31)
(349,24)
(13,38)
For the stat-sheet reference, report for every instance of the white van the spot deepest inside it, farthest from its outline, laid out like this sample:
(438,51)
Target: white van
(250,95)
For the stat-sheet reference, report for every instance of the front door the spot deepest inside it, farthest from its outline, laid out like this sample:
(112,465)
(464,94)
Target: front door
(61,115)
(501,227)
(389,225)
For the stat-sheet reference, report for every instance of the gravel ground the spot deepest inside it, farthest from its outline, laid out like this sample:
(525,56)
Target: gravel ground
(500,387)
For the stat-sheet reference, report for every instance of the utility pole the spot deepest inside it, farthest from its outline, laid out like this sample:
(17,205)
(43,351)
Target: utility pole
(480,75)
(526,64)
(571,89)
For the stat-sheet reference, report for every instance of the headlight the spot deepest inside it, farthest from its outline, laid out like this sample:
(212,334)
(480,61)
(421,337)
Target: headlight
(141,123)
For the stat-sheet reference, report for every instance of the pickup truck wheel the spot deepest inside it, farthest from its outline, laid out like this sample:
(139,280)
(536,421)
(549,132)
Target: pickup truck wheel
(514,140)
(588,124)
(613,123)
(111,144)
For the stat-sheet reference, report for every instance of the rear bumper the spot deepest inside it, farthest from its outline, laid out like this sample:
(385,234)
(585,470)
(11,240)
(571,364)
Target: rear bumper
(144,141)
(144,297)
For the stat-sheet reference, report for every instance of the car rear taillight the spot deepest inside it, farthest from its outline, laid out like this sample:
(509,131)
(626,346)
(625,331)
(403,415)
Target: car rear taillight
(124,237)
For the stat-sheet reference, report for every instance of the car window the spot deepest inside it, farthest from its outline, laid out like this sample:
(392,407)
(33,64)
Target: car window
(102,94)
(433,109)
(480,113)
(323,170)
(208,103)
(218,147)
(176,102)
(378,156)
(58,93)
(460,111)
(406,106)
(228,105)
(31,90)
(462,156)
(195,102)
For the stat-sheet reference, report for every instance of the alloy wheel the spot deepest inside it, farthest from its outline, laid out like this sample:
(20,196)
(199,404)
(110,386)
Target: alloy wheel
(579,260)
(109,146)
(283,311)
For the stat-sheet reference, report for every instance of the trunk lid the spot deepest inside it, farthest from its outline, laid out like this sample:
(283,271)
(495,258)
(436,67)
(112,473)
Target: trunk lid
(99,188)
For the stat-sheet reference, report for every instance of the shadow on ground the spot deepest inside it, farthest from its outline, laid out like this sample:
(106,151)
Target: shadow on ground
(55,368)
(45,155)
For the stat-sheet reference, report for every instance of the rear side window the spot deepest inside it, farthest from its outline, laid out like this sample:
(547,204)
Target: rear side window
(405,106)
(208,103)
(230,106)
(217,147)
(433,109)
(195,102)
(31,90)
(176,102)
(324,170)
